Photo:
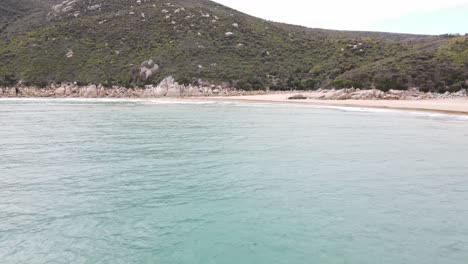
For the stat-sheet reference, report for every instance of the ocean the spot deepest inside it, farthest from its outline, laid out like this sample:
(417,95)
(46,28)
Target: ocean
(199,182)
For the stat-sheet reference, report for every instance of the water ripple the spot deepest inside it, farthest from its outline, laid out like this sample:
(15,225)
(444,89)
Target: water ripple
(141,181)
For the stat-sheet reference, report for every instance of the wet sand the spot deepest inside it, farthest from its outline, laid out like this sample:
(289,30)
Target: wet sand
(451,106)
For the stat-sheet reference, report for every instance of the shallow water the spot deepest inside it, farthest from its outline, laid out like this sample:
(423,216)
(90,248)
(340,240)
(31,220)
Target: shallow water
(122,181)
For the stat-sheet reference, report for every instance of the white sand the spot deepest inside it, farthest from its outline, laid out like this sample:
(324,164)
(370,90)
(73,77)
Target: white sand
(454,106)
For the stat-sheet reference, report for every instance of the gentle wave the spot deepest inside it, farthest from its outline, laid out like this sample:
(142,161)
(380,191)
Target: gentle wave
(138,180)
(194,101)
(398,111)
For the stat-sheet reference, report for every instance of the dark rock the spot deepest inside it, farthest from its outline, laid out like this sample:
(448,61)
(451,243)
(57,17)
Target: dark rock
(297,97)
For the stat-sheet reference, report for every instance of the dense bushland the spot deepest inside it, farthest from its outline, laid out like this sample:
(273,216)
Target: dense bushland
(106,41)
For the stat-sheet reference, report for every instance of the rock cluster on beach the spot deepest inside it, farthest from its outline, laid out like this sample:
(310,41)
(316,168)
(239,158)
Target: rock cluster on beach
(374,94)
(169,88)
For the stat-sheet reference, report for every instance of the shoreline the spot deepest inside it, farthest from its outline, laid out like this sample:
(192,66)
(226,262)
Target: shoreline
(443,106)
(457,106)
(407,100)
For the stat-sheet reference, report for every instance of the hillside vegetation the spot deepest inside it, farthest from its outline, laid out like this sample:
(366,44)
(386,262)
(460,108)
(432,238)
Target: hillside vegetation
(138,42)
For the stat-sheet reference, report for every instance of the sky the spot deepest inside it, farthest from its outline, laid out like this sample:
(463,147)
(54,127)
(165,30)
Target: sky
(402,16)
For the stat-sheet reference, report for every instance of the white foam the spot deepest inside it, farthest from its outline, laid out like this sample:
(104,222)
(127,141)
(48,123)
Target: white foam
(428,114)
(167,101)
(65,100)
(178,102)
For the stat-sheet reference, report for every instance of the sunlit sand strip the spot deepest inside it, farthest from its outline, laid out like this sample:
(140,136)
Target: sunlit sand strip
(449,106)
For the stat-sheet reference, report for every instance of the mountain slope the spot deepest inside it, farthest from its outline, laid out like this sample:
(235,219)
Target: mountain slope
(137,42)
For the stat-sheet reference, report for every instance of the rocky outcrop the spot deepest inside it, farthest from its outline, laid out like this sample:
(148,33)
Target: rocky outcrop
(170,88)
(165,85)
(373,94)
(148,68)
(11,92)
(60,92)
(461,93)
(176,90)
(162,89)
(65,90)
(89,91)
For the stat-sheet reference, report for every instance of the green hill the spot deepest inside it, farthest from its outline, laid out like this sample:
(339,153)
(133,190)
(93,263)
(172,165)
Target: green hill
(137,42)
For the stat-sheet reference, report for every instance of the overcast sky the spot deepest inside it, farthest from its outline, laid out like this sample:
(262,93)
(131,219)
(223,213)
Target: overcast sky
(405,16)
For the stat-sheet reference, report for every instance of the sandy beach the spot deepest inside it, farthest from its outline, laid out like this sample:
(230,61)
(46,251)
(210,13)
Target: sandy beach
(451,106)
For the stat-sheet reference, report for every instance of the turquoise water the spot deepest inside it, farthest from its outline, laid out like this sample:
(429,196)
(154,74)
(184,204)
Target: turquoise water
(201,182)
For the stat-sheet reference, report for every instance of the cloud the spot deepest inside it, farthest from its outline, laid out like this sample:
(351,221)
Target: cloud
(336,14)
